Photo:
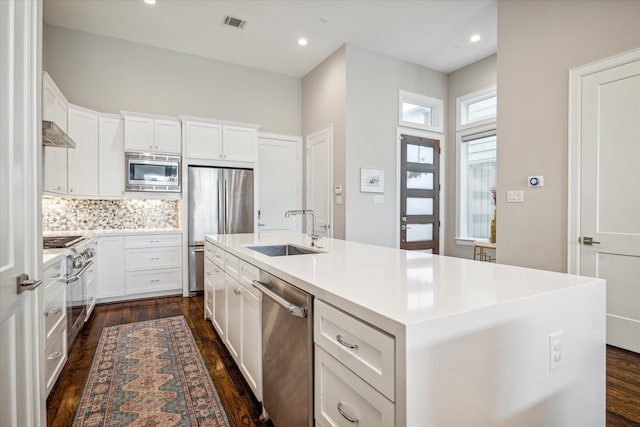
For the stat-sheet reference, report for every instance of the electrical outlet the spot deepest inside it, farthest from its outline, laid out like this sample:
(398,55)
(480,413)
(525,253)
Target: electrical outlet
(555,350)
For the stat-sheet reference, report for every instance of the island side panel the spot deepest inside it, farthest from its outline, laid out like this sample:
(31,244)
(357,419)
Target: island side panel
(492,366)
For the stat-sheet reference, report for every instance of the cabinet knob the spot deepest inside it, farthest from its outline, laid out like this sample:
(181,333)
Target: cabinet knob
(220,156)
(56,355)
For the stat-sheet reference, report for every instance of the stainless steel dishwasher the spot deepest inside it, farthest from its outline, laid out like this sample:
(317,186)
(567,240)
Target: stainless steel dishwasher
(287,352)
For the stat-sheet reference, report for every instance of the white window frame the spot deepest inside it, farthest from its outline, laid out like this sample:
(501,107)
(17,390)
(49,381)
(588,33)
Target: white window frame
(436,105)
(462,109)
(465,129)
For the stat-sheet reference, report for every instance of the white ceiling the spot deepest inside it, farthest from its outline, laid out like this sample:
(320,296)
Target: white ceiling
(431,33)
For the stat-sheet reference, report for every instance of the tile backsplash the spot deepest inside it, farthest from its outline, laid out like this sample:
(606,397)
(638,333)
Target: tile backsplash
(60,214)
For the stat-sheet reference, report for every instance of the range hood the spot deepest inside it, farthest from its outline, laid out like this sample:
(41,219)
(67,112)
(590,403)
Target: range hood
(53,136)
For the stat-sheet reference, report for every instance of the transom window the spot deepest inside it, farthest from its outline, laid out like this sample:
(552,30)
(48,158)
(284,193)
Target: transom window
(419,111)
(477,109)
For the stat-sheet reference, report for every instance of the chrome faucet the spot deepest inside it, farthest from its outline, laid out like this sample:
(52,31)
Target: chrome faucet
(314,236)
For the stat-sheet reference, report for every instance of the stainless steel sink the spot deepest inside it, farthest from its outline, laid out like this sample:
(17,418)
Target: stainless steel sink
(283,250)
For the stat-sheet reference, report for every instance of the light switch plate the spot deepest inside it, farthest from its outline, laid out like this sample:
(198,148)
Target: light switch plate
(515,196)
(378,199)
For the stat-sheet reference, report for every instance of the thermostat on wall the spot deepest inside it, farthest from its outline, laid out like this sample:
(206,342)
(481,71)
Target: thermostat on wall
(536,181)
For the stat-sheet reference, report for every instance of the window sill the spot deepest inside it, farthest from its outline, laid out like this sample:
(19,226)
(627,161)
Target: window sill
(466,241)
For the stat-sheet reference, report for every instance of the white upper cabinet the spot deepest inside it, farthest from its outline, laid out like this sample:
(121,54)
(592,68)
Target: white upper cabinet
(239,143)
(203,140)
(151,135)
(83,160)
(54,104)
(219,141)
(54,109)
(111,142)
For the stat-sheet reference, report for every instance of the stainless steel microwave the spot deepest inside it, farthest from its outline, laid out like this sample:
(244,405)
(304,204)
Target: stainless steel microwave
(152,172)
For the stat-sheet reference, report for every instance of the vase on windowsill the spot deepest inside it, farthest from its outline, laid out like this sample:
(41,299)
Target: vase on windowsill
(492,236)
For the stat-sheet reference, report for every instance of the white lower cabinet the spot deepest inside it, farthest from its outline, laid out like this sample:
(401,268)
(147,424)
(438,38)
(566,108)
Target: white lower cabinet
(237,311)
(344,399)
(111,267)
(54,314)
(139,265)
(354,370)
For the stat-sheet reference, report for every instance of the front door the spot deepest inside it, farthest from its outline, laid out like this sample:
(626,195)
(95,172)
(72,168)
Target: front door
(610,199)
(22,392)
(279,183)
(419,194)
(319,180)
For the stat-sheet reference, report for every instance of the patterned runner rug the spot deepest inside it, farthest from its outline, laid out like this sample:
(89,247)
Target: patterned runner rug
(149,374)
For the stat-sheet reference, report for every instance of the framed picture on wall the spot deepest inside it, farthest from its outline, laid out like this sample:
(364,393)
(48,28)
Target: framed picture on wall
(371,180)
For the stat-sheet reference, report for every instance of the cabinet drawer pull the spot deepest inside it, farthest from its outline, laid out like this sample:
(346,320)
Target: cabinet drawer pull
(209,273)
(217,270)
(237,291)
(154,241)
(154,280)
(154,259)
(54,311)
(219,256)
(56,355)
(346,417)
(346,344)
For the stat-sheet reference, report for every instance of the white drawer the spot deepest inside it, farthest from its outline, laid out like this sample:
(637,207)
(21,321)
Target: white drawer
(232,265)
(248,273)
(140,282)
(149,259)
(208,250)
(340,394)
(55,307)
(55,355)
(365,350)
(218,256)
(153,240)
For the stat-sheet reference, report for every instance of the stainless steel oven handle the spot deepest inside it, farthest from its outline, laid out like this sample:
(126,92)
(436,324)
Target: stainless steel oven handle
(76,277)
(293,309)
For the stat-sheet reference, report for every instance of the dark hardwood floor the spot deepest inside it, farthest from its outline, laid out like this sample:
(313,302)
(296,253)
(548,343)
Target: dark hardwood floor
(623,367)
(241,407)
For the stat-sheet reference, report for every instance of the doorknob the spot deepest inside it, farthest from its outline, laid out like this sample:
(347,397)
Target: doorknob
(588,241)
(26,284)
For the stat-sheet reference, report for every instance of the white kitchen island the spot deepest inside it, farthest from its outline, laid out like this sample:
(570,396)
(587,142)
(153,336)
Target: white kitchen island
(475,344)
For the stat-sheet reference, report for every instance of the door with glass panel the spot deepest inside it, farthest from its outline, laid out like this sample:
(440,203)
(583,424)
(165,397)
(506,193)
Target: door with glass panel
(419,194)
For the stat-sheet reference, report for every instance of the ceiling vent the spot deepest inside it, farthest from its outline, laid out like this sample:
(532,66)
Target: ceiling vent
(232,21)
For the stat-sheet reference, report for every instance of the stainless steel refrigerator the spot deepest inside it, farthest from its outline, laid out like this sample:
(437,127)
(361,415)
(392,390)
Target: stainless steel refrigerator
(220,202)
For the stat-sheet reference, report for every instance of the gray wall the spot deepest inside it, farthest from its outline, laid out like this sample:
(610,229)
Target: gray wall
(323,104)
(109,75)
(472,78)
(373,83)
(538,43)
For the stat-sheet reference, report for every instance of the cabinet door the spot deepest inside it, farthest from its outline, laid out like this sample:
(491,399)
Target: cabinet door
(209,268)
(203,140)
(111,267)
(251,352)
(219,302)
(83,160)
(55,170)
(234,317)
(138,134)
(111,148)
(167,136)
(239,143)
(54,104)
(90,290)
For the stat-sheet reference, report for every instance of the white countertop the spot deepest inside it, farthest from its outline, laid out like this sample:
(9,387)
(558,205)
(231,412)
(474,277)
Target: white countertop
(402,286)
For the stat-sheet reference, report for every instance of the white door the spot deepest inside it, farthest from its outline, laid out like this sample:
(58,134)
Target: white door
(320,180)
(279,182)
(22,388)
(610,200)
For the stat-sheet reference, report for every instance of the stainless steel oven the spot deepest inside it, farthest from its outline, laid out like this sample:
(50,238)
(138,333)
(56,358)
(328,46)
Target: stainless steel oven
(152,172)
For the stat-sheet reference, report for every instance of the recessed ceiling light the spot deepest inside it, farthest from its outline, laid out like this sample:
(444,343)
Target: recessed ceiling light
(150,1)
(475,38)
(302,41)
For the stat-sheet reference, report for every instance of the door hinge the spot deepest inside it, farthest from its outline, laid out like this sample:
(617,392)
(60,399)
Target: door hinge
(439,224)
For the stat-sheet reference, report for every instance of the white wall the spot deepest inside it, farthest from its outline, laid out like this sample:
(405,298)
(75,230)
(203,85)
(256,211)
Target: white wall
(109,75)
(323,104)
(373,82)
(472,78)
(539,41)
